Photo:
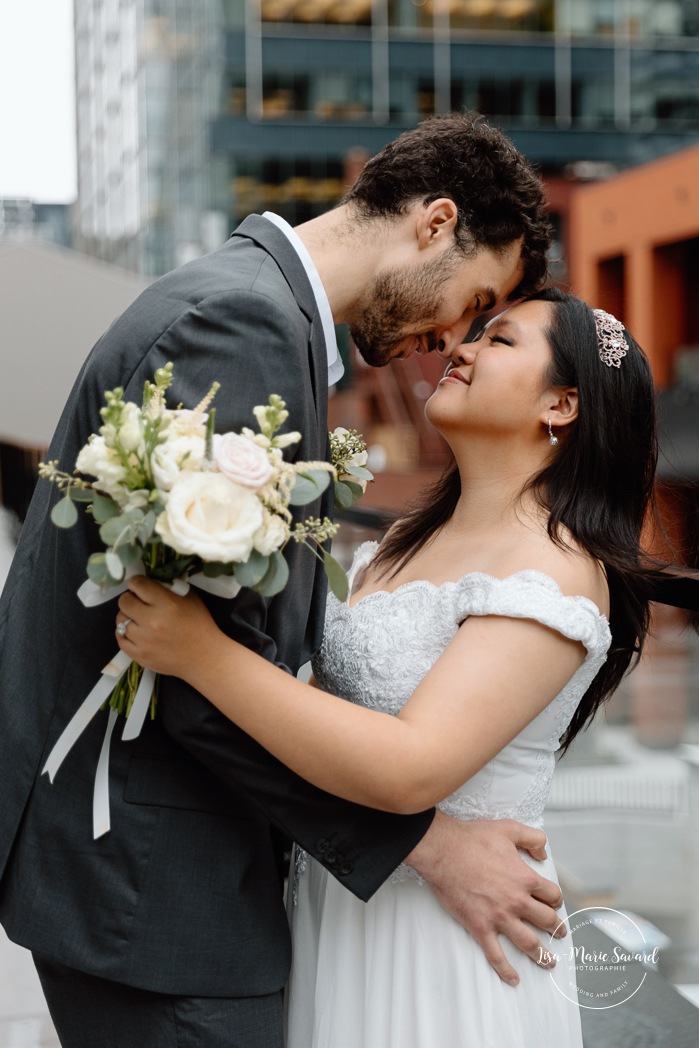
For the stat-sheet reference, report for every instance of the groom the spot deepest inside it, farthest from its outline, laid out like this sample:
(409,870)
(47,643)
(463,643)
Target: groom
(170,930)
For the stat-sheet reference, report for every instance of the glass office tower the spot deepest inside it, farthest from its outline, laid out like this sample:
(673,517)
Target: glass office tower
(148,85)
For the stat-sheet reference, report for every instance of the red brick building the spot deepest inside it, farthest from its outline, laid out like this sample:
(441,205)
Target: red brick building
(634,250)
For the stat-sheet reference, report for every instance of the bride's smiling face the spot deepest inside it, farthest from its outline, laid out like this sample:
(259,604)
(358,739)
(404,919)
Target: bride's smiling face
(497,385)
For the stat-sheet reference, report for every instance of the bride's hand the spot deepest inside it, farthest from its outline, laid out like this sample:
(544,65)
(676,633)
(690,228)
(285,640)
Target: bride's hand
(163,631)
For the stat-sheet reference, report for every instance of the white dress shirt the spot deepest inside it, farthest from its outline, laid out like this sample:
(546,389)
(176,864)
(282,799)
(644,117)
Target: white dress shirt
(336,368)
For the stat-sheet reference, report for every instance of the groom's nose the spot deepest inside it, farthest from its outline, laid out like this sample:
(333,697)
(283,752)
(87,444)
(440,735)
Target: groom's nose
(449,339)
(448,342)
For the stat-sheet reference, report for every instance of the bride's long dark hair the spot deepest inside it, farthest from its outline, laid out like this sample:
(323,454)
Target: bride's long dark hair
(598,486)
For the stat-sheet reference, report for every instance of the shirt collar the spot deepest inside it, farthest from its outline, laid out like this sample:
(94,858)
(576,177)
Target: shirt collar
(336,368)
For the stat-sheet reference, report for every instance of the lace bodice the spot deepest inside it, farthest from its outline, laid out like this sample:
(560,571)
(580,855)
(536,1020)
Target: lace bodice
(376,652)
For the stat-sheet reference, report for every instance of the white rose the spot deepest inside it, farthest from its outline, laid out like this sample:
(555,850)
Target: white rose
(130,433)
(272,535)
(175,455)
(359,458)
(98,460)
(210,516)
(241,460)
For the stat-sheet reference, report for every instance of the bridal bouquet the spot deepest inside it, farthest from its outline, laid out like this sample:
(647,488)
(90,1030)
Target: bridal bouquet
(184,505)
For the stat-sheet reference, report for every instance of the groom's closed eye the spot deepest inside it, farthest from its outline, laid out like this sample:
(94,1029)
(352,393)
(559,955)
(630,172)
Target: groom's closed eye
(476,329)
(486,300)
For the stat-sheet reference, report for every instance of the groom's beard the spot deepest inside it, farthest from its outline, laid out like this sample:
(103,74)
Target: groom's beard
(396,300)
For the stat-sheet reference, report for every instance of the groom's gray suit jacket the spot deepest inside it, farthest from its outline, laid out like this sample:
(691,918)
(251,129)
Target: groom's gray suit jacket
(183,895)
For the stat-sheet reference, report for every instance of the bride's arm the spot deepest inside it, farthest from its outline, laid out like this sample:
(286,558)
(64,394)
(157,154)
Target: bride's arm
(495,676)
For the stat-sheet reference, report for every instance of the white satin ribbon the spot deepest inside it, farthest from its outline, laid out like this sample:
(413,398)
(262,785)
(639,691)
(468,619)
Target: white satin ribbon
(91,596)
(221,586)
(139,707)
(101,822)
(111,675)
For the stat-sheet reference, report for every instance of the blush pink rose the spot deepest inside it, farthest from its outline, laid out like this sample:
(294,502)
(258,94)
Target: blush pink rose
(242,461)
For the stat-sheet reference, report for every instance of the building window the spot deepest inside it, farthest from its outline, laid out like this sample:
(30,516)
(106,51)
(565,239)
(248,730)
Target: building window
(297,189)
(593,101)
(327,94)
(665,87)
(512,15)
(318,12)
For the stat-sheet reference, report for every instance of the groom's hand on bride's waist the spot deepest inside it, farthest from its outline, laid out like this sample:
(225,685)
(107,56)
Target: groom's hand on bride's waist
(477,874)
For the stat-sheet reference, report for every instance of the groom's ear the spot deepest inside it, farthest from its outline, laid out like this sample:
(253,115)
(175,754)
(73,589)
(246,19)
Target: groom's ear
(436,223)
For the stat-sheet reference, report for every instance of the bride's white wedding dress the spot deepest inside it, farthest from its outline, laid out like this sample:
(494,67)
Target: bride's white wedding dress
(398,971)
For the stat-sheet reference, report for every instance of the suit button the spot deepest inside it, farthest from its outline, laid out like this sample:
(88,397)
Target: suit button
(345,869)
(331,856)
(322,845)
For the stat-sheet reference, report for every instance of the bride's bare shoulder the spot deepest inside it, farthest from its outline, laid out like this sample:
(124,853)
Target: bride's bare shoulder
(577,573)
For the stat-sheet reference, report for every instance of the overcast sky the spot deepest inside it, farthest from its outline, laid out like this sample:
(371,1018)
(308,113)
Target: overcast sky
(37,121)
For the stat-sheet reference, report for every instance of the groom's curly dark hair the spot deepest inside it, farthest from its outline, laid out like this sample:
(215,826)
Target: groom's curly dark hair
(499,196)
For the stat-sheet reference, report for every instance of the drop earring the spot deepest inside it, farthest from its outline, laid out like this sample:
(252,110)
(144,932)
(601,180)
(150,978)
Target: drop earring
(552,440)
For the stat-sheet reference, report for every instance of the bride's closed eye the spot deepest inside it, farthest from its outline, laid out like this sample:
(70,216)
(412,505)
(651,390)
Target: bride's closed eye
(501,338)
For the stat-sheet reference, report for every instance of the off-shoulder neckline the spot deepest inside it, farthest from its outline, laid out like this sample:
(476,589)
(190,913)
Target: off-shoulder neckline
(532,574)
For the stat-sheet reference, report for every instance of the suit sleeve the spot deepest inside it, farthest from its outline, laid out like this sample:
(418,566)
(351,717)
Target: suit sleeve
(358,845)
(253,348)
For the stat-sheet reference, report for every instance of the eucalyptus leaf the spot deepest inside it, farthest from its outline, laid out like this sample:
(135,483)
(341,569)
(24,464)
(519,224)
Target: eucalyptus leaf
(321,477)
(115,565)
(146,527)
(97,568)
(337,580)
(103,508)
(356,490)
(347,493)
(134,516)
(64,514)
(113,530)
(276,577)
(253,570)
(129,554)
(124,529)
(80,494)
(343,494)
(309,485)
(359,471)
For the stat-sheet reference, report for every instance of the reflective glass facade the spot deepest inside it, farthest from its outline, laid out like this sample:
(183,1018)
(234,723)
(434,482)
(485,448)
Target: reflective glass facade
(597,84)
(149,75)
(192,113)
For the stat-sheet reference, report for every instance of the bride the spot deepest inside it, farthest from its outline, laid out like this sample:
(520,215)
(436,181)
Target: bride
(481,624)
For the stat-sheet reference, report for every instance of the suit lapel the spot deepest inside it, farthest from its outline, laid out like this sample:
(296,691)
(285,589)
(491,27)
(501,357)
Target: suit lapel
(271,239)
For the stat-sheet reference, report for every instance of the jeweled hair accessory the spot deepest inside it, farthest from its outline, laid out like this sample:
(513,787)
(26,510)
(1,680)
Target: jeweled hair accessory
(611,343)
